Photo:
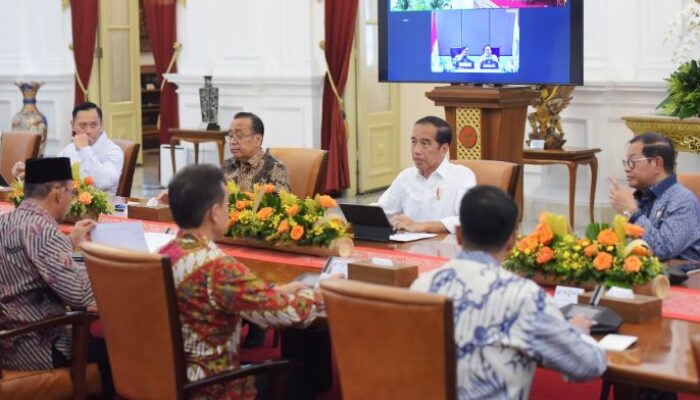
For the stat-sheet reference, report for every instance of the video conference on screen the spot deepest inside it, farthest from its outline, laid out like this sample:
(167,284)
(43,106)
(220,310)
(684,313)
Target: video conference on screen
(474,36)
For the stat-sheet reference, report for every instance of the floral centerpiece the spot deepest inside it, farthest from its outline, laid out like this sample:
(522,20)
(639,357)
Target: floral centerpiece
(615,256)
(269,218)
(88,201)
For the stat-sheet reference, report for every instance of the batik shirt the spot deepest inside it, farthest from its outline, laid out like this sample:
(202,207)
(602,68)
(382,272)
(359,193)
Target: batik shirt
(38,279)
(504,326)
(214,291)
(261,168)
(670,216)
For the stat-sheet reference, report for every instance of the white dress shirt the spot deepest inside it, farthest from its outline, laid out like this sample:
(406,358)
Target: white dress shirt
(103,161)
(436,198)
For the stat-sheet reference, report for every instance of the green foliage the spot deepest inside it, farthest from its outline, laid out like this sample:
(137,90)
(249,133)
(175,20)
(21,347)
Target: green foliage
(683,98)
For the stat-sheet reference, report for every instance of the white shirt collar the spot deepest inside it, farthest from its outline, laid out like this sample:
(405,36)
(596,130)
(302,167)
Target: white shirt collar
(441,170)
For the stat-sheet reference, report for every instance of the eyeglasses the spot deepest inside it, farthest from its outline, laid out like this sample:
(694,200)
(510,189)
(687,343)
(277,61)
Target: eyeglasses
(85,125)
(238,137)
(630,163)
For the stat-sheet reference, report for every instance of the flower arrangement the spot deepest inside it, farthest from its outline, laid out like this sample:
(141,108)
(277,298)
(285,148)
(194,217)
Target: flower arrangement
(281,217)
(88,201)
(615,256)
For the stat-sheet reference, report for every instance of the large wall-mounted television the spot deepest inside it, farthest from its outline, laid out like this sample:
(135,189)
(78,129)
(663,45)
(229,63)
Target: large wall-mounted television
(481,41)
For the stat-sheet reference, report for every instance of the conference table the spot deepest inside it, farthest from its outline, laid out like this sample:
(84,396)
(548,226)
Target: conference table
(662,358)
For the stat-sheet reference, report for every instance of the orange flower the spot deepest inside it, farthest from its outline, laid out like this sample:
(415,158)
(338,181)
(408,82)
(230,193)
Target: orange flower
(264,213)
(591,250)
(603,261)
(241,204)
(632,264)
(269,188)
(641,251)
(85,198)
(233,217)
(527,243)
(89,181)
(607,237)
(544,255)
(327,201)
(250,195)
(74,184)
(297,232)
(293,210)
(544,234)
(283,227)
(633,230)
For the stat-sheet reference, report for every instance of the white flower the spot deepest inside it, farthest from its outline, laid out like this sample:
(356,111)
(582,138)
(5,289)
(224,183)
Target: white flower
(685,26)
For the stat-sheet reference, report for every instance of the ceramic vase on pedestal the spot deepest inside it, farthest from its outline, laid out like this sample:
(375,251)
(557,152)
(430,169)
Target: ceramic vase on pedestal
(29,119)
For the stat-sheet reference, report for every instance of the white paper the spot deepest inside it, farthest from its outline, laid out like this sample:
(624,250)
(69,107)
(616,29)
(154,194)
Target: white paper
(385,262)
(155,240)
(565,295)
(620,293)
(410,236)
(127,235)
(537,144)
(337,265)
(614,342)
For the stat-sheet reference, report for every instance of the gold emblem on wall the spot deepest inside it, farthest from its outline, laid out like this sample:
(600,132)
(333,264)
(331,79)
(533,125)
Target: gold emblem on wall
(468,133)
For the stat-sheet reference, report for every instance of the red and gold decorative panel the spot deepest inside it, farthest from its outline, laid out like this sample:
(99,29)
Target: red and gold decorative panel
(468,133)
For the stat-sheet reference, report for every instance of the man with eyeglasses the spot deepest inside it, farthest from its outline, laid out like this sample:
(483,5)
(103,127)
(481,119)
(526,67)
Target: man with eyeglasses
(251,164)
(426,197)
(668,212)
(98,156)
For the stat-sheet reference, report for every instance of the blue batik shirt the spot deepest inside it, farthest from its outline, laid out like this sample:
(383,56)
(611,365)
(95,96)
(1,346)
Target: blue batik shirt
(670,216)
(506,325)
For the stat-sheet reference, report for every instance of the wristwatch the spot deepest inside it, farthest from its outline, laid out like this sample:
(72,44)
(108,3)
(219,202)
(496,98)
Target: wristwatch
(629,214)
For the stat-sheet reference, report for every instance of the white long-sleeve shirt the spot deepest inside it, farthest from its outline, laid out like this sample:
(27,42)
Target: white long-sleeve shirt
(103,161)
(436,198)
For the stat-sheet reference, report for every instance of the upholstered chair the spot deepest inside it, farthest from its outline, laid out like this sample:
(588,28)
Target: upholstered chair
(306,168)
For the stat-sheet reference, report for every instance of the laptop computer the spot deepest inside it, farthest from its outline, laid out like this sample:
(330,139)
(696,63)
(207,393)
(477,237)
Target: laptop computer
(369,222)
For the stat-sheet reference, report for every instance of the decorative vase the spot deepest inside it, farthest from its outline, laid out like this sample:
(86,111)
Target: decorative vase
(29,119)
(90,214)
(685,133)
(341,247)
(209,104)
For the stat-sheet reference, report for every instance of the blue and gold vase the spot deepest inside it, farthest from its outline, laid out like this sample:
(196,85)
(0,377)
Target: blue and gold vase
(29,119)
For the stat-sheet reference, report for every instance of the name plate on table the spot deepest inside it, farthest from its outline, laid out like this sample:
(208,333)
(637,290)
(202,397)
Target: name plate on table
(382,273)
(160,213)
(636,310)
(5,194)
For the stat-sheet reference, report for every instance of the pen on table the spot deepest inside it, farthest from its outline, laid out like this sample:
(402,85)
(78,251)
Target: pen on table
(168,230)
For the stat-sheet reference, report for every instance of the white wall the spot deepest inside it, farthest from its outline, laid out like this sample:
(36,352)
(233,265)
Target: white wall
(624,69)
(35,42)
(264,58)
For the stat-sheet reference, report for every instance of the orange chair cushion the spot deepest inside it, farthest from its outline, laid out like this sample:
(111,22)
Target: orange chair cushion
(46,385)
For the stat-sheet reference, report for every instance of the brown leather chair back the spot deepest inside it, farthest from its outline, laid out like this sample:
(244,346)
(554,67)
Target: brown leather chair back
(391,343)
(306,168)
(501,174)
(17,146)
(695,345)
(131,153)
(137,306)
(692,182)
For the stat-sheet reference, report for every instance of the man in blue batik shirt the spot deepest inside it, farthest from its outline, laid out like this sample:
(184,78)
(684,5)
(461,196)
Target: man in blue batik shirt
(668,212)
(505,325)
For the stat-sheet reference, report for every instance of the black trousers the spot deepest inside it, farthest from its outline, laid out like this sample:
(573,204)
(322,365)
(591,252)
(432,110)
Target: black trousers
(97,353)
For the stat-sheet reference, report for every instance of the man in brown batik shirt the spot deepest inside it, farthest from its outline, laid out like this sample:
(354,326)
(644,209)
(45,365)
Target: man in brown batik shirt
(251,164)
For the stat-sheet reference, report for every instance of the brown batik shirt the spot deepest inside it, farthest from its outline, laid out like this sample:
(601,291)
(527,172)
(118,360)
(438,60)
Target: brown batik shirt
(262,168)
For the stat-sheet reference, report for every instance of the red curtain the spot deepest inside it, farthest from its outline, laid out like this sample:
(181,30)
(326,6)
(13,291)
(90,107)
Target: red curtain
(340,28)
(162,31)
(84,25)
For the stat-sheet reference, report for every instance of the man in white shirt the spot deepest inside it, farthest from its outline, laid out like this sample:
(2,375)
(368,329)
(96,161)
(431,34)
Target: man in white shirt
(426,198)
(504,325)
(98,156)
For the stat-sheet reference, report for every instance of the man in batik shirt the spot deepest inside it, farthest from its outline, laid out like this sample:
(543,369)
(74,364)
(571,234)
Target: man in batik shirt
(250,164)
(38,277)
(214,290)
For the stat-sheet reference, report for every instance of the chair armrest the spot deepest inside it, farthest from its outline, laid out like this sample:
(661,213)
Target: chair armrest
(69,318)
(254,369)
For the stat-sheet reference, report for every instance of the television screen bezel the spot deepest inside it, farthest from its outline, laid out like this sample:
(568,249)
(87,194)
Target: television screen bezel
(575,51)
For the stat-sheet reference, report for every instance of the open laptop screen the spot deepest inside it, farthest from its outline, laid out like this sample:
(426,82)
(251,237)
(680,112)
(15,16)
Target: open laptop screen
(369,222)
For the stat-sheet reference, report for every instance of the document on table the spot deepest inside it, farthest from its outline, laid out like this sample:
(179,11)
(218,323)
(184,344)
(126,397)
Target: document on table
(127,235)
(155,240)
(410,236)
(614,342)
